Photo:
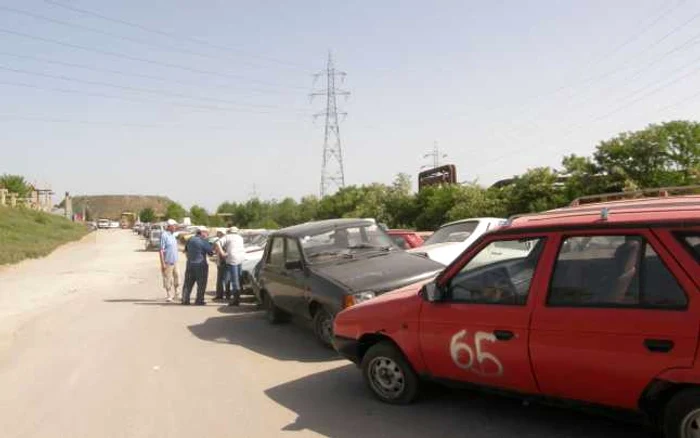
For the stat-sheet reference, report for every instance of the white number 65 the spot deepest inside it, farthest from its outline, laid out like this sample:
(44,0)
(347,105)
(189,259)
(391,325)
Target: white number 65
(457,346)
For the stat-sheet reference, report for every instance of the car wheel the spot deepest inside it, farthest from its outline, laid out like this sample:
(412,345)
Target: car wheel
(273,313)
(323,326)
(682,415)
(388,374)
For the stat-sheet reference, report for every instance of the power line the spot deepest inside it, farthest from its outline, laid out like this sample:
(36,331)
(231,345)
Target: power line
(332,169)
(133,74)
(138,59)
(99,123)
(131,99)
(136,89)
(169,34)
(110,34)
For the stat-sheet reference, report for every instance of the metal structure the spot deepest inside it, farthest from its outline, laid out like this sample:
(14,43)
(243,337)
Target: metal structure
(332,170)
(435,155)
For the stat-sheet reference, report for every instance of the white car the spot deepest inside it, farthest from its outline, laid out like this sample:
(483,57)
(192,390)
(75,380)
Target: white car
(450,240)
(103,223)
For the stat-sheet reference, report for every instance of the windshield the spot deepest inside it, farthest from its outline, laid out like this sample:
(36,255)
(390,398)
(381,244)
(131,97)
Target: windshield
(346,242)
(255,239)
(453,233)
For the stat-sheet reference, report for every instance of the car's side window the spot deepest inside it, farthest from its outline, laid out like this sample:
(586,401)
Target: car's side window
(276,256)
(494,276)
(612,271)
(692,242)
(400,242)
(293,254)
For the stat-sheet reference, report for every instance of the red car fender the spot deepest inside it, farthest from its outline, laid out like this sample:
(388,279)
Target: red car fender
(681,375)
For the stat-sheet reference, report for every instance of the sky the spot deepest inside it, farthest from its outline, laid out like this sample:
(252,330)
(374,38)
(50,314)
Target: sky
(209,101)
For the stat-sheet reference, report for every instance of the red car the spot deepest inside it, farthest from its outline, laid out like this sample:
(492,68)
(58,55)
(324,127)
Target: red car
(597,304)
(406,239)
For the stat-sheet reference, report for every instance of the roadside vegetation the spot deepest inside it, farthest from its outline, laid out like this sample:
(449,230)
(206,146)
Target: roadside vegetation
(31,234)
(662,155)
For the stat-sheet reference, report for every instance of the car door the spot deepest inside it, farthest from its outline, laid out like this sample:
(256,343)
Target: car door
(478,332)
(295,277)
(274,274)
(618,311)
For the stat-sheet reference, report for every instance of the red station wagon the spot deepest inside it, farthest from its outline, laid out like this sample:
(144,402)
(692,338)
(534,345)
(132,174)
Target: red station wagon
(598,303)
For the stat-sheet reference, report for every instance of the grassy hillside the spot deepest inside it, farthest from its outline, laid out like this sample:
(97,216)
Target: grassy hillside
(31,234)
(112,206)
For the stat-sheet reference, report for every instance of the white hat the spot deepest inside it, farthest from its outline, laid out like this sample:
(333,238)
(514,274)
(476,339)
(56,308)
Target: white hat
(233,230)
(171,222)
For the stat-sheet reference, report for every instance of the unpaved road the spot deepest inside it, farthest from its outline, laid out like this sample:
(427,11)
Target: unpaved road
(89,349)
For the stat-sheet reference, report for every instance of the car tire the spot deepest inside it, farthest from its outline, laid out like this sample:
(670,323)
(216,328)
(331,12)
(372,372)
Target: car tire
(323,326)
(682,415)
(274,314)
(388,375)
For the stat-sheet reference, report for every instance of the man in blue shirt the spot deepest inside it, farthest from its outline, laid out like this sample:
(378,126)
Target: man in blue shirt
(168,261)
(197,249)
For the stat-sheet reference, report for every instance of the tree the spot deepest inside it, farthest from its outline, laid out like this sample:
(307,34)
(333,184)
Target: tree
(175,211)
(660,155)
(15,184)
(199,215)
(147,215)
(537,189)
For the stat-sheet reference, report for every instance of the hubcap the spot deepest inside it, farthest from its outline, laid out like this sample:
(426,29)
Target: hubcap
(690,427)
(386,377)
(325,328)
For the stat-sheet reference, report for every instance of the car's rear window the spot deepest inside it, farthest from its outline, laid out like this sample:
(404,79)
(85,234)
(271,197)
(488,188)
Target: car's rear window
(692,242)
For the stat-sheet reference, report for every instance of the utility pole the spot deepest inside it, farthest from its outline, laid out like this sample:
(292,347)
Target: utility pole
(436,156)
(332,170)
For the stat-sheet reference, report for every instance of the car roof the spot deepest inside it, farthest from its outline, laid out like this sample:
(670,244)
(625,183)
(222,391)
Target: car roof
(473,219)
(317,227)
(657,210)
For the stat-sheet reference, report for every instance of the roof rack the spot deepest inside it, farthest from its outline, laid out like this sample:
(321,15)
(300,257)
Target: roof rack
(661,192)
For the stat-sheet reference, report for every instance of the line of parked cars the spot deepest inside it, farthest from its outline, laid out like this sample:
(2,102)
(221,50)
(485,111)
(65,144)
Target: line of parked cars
(596,304)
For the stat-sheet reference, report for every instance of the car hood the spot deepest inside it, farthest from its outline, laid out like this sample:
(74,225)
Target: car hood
(380,272)
(444,252)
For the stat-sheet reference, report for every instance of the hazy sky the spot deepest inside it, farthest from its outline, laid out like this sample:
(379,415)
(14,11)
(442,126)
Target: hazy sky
(201,100)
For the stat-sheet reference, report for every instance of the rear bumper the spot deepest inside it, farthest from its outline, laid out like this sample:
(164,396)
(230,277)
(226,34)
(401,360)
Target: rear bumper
(348,348)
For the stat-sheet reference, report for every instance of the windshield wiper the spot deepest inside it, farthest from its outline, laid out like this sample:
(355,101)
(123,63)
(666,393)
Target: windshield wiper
(368,246)
(328,253)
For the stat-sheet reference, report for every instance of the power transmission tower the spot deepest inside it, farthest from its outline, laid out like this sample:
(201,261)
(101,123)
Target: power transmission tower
(332,170)
(436,156)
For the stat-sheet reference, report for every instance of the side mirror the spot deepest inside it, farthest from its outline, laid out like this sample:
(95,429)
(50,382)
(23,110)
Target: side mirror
(432,293)
(294,266)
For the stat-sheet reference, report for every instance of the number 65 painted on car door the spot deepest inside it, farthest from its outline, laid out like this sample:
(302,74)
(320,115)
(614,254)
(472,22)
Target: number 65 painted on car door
(457,345)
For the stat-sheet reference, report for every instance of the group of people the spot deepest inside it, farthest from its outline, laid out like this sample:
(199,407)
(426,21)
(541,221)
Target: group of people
(230,250)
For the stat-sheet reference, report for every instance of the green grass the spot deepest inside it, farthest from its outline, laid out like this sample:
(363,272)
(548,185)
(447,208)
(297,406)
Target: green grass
(28,234)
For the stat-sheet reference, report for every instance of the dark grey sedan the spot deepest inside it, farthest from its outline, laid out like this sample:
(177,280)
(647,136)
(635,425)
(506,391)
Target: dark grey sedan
(315,270)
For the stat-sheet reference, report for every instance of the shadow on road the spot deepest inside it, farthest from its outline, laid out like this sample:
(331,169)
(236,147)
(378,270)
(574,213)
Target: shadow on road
(133,300)
(335,403)
(249,329)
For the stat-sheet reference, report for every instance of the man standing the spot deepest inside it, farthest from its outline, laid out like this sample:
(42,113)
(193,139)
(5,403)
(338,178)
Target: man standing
(232,248)
(197,249)
(168,261)
(221,274)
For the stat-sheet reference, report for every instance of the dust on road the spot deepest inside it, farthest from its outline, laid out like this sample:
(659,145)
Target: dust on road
(88,348)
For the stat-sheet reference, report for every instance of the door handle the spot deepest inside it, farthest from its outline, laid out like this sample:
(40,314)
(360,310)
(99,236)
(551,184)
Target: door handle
(503,335)
(658,345)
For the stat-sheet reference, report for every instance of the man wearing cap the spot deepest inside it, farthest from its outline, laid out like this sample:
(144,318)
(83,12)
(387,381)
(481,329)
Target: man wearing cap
(221,273)
(197,249)
(168,261)
(232,248)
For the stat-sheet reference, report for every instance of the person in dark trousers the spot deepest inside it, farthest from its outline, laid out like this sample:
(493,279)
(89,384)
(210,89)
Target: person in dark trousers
(221,284)
(197,271)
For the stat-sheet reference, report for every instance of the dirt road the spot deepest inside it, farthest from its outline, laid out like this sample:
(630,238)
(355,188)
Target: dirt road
(89,349)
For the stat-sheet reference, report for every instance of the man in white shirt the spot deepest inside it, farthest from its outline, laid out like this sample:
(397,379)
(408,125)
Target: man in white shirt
(232,249)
